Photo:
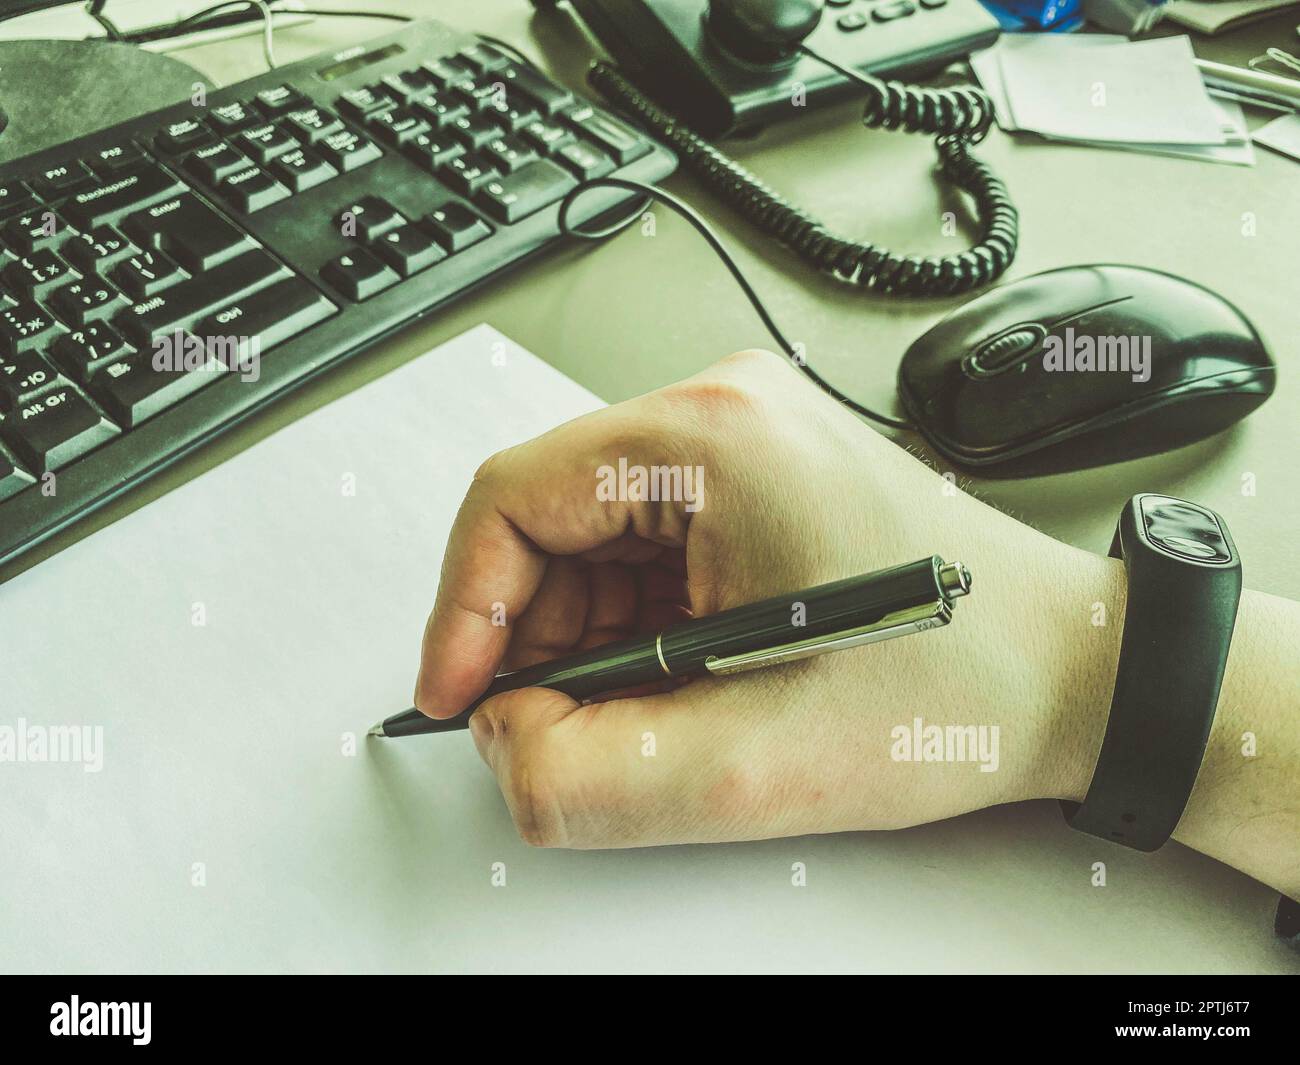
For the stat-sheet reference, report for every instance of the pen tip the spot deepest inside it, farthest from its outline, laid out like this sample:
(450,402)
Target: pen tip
(378,730)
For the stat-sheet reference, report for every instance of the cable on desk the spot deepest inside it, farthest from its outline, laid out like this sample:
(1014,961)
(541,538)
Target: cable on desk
(961,117)
(653,192)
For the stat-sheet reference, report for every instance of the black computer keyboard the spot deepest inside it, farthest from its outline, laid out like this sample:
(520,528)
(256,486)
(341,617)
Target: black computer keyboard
(167,276)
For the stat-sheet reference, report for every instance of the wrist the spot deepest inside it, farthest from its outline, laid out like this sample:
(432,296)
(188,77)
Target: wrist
(1086,625)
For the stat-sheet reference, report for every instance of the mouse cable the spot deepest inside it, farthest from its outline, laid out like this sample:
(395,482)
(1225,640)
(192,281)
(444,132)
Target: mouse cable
(213,18)
(959,116)
(219,16)
(654,193)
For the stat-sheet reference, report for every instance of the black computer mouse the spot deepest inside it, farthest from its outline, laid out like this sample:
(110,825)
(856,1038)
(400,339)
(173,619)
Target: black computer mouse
(1082,366)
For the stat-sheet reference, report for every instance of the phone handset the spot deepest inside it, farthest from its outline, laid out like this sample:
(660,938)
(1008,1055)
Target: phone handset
(772,31)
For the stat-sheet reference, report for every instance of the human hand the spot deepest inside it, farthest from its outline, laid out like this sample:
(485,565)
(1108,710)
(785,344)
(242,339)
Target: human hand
(796,492)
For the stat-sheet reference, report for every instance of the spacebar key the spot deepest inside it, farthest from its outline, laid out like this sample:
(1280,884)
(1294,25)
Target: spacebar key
(265,318)
(181,305)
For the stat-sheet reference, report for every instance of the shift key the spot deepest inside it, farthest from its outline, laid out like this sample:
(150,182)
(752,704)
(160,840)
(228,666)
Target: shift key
(266,318)
(181,305)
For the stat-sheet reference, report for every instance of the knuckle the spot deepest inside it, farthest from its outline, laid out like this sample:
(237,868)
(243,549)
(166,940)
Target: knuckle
(753,360)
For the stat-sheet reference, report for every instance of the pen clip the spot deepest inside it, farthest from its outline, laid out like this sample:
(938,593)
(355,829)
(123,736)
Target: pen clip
(899,623)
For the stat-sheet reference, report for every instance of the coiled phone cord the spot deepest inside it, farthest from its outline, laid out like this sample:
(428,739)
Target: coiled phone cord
(653,192)
(960,117)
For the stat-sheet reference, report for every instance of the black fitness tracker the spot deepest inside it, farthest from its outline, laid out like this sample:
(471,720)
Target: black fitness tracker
(1184,582)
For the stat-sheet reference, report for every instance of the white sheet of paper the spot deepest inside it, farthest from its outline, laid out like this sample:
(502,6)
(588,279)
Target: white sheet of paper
(1147,92)
(230,829)
(1282,135)
(987,65)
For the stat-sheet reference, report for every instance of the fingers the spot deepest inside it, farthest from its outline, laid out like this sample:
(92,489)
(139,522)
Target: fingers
(526,505)
(549,497)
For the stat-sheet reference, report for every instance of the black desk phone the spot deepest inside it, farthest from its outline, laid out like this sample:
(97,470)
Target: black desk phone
(687,69)
(677,52)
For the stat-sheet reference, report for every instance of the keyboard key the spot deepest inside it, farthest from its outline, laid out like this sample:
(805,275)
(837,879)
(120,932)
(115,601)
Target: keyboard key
(612,136)
(478,95)
(183,136)
(509,153)
(358,274)
(398,126)
(368,218)
(302,169)
(85,301)
(266,143)
(546,96)
(13,479)
(437,110)
(407,250)
(189,231)
(84,351)
(360,103)
(545,136)
(312,124)
(474,131)
(58,181)
(97,249)
(432,150)
(346,151)
(231,118)
(404,87)
(34,276)
(455,226)
(145,274)
(468,173)
(281,99)
(23,377)
(14,195)
(482,58)
(52,430)
(184,303)
(251,190)
(32,230)
(25,326)
(126,191)
(510,116)
(515,196)
(445,72)
(583,160)
(265,318)
(134,389)
(215,163)
(105,161)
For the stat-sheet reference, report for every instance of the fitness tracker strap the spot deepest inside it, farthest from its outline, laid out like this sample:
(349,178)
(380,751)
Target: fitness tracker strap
(1184,583)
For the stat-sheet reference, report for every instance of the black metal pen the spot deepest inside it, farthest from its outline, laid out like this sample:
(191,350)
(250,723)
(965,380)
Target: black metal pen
(858,610)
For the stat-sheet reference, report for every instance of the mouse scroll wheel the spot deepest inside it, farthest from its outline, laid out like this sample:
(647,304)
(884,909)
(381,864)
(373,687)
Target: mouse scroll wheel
(1009,348)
